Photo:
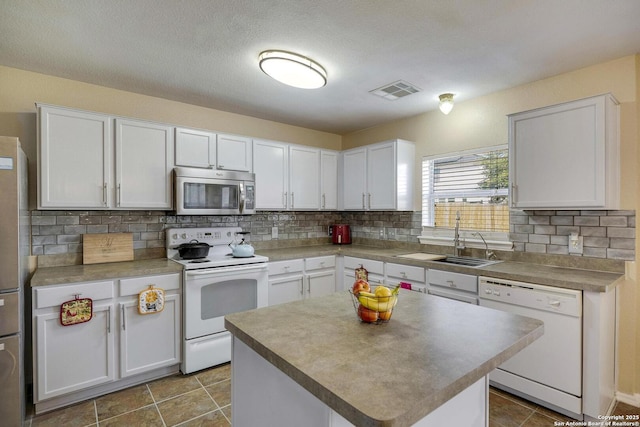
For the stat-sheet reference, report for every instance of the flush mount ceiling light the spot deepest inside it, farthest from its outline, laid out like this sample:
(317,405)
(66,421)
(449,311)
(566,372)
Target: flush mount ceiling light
(446,103)
(292,69)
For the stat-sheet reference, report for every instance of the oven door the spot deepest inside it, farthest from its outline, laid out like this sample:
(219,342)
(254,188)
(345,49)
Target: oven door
(212,293)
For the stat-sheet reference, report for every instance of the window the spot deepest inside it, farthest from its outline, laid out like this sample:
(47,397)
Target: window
(473,183)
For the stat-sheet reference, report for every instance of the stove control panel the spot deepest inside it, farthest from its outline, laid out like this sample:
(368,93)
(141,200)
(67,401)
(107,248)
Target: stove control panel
(212,236)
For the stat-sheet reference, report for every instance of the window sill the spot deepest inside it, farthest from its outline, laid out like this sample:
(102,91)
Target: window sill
(444,237)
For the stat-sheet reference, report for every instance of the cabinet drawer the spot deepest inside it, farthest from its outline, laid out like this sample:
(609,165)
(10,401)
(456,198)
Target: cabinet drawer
(50,296)
(135,285)
(446,279)
(376,267)
(405,272)
(286,267)
(320,262)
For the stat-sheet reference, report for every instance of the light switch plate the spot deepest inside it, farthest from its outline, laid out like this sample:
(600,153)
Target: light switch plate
(576,244)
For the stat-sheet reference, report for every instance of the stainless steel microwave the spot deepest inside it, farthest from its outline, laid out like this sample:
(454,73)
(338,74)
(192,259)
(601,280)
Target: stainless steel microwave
(214,192)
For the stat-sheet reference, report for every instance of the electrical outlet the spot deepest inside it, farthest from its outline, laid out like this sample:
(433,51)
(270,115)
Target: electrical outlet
(576,244)
(330,232)
(274,232)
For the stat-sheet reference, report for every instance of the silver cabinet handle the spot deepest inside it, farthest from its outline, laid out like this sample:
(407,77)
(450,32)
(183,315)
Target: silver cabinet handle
(302,287)
(292,200)
(514,192)
(363,205)
(220,166)
(104,194)
(124,320)
(369,194)
(109,320)
(451,284)
(119,194)
(324,201)
(308,285)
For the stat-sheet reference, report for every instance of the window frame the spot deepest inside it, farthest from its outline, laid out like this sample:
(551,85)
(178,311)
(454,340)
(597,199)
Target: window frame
(443,236)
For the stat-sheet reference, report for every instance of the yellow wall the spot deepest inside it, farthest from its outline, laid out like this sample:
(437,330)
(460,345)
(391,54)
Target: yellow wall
(20,90)
(482,122)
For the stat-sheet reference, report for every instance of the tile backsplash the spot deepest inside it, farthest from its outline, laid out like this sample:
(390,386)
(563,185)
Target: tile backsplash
(607,234)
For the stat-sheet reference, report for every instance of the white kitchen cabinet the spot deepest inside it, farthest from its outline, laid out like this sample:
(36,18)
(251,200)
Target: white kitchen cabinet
(234,153)
(287,176)
(144,163)
(457,286)
(75,357)
(149,341)
(304,177)
(375,269)
(378,176)
(77,168)
(328,179)
(297,279)
(397,273)
(270,165)
(117,348)
(195,148)
(566,156)
(75,159)
(286,281)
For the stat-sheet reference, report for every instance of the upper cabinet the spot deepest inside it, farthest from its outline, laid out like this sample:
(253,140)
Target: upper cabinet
(289,176)
(378,176)
(144,162)
(75,159)
(328,179)
(234,153)
(93,161)
(203,149)
(195,148)
(566,156)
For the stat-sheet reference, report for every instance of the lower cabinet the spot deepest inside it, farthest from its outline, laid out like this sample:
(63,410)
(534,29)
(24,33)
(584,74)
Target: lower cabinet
(297,279)
(116,344)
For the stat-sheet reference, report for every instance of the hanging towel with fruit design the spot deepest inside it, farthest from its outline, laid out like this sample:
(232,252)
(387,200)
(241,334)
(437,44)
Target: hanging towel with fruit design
(78,310)
(151,300)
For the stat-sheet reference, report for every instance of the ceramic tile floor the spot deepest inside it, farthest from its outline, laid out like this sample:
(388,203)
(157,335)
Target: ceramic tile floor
(204,399)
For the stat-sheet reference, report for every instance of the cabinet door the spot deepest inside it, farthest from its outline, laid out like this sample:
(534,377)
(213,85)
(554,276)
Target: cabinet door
(234,153)
(286,289)
(195,148)
(328,180)
(75,160)
(144,162)
(558,155)
(381,176)
(149,341)
(270,167)
(304,178)
(354,163)
(71,358)
(321,283)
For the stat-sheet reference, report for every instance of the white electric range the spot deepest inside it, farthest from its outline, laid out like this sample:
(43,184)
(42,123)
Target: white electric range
(214,286)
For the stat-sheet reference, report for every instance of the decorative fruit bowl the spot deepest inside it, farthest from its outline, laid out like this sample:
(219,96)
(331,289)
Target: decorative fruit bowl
(375,307)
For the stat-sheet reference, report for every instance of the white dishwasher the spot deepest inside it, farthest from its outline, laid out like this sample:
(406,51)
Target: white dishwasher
(549,371)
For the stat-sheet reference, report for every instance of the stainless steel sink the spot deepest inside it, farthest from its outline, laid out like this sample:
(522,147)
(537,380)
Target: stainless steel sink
(466,261)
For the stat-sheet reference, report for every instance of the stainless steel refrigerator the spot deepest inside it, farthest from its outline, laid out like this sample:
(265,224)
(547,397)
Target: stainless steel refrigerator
(14,253)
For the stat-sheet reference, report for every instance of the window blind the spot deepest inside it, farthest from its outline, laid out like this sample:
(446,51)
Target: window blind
(474,183)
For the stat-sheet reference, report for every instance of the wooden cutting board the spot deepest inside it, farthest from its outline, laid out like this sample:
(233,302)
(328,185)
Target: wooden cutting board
(108,247)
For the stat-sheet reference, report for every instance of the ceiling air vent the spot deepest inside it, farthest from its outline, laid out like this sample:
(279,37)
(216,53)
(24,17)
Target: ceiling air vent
(395,90)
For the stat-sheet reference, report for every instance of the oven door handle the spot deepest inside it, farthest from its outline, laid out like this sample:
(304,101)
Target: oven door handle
(235,269)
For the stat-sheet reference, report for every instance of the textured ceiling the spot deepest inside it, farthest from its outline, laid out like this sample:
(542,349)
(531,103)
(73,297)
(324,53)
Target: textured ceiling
(204,52)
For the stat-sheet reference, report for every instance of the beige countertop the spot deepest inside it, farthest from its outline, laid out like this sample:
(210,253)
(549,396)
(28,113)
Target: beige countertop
(394,373)
(114,270)
(563,277)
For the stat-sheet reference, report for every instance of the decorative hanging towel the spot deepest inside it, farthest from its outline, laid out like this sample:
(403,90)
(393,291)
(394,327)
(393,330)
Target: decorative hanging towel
(78,310)
(151,300)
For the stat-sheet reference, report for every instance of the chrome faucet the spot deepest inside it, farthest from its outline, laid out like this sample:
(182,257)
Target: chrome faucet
(487,253)
(456,236)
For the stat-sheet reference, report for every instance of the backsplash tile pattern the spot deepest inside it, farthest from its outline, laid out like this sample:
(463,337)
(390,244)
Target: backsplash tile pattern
(606,234)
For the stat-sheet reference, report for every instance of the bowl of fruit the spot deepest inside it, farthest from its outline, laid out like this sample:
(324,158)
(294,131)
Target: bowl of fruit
(376,306)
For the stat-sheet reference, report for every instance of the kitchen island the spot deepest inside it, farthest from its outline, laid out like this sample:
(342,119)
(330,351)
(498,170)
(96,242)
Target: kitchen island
(313,363)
